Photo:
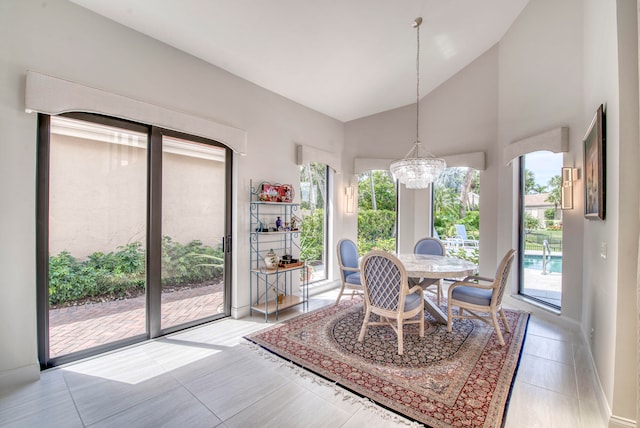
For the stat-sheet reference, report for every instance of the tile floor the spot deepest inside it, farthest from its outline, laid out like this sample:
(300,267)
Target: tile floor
(207,377)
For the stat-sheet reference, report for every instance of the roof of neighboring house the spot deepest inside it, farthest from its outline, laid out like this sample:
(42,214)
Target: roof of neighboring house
(537,200)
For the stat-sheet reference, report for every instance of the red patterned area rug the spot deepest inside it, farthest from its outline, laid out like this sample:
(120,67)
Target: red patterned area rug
(458,379)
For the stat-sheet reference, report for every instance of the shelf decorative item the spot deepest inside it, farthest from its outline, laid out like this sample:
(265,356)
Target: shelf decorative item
(271,260)
(286,193)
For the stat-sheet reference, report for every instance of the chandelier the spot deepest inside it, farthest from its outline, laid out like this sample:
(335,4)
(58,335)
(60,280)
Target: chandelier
(417,171)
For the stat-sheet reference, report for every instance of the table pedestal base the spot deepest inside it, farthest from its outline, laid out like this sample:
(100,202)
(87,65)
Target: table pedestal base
(435,311)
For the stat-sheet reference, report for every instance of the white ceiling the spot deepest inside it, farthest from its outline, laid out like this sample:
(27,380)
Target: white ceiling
(344,58)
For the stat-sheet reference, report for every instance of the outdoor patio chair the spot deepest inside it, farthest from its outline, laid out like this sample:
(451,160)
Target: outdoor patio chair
(387,294)
(470,295)
(347,252)
(461,235)
(432,246)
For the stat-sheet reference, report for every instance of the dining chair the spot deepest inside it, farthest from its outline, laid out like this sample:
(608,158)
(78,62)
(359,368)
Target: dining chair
(347,252)
(387,294)
(435,247)
(472,296)
(461,235)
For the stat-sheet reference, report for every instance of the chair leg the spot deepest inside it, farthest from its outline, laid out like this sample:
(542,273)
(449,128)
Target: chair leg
(421,315)
(449,317)
(504,321)
(439,298)
(363,330)
(496,326)
(400,341)
(340,294)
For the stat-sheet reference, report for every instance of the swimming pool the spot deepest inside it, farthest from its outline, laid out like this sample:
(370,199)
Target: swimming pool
(532,261)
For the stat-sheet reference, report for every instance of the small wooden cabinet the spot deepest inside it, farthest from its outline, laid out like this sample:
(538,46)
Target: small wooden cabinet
(275,288)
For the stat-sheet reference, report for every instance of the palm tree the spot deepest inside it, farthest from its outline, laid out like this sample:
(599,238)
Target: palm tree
(555,184)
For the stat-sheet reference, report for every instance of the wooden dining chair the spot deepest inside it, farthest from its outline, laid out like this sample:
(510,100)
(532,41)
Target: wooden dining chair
(472,296)
(347,252)
(431,246)
(387,294)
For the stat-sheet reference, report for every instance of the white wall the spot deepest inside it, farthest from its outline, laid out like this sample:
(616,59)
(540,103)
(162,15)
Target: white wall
(66,41)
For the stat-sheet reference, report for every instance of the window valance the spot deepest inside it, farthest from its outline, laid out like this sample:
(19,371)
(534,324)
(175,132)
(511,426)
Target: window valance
(307,154)
(555,140)
(51,95)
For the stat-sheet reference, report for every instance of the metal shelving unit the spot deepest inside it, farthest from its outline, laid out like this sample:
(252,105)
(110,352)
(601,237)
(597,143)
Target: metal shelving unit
(268,284)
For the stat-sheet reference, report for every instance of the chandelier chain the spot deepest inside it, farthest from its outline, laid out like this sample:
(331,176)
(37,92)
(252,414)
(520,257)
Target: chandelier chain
(415,171)
(418,82)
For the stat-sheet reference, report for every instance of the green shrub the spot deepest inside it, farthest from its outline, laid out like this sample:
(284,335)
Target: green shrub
(180,266)
(69,279)
(312,236)
(531,222)
(471,255)
(550,214)
(117,274)
(376,228)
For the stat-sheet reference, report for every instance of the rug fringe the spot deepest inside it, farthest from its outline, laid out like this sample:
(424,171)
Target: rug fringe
(352,398)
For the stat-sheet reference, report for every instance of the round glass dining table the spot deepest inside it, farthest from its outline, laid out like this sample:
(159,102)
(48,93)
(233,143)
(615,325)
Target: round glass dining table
(438,267)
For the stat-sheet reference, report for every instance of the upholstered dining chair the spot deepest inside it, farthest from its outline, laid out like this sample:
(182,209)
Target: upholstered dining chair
(347,252)
(432,246)
(387,294)
(472,296)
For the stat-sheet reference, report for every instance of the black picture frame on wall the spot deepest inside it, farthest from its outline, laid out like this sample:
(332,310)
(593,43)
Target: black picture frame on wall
(594,167)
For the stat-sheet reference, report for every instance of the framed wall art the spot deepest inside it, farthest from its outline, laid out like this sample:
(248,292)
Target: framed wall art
(594,167)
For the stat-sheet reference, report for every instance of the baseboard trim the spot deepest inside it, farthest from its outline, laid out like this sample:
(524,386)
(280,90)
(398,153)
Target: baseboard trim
(20,376)
(618,422)
(522,303)
(322,286)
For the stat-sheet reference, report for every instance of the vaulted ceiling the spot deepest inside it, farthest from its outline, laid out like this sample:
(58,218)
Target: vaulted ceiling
(344,58)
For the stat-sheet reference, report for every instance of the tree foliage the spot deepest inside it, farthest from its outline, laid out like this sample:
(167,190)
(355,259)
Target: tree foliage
(384,193)
(312,236)
(530,185)
(555,187)
(451,202)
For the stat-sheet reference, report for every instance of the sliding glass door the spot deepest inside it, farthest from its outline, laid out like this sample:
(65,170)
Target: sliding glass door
(131,221)
(96,235)
(193,227)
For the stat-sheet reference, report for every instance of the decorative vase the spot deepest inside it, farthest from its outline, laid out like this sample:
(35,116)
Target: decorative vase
(271,260)
(278,223)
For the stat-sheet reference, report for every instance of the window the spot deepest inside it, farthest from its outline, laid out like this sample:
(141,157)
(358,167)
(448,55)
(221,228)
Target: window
(377,212)
(456,212)
(314,191)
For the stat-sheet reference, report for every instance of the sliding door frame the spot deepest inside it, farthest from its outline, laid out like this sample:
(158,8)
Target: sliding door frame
(153,288)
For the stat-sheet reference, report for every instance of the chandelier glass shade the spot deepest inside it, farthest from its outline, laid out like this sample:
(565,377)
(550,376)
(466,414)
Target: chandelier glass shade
(417,171)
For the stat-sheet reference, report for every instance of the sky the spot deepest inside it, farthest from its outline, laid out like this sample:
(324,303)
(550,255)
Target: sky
(544,165)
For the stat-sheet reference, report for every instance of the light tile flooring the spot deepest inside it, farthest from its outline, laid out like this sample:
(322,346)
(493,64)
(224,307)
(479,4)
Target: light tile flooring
(207,377)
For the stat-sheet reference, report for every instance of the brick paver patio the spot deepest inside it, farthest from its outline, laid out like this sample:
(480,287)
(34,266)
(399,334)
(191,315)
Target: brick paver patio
(76,328)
